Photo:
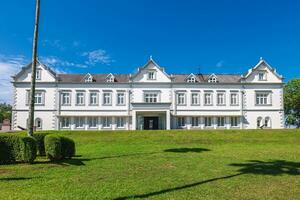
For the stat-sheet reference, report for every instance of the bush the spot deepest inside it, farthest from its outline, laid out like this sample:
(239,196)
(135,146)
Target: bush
(40,137)
(58,147)
(17,148)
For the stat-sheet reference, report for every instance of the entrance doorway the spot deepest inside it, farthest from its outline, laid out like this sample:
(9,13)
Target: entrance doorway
(151,123)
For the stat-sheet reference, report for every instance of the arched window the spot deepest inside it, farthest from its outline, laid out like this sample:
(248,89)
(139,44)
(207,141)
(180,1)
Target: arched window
(259,122)
(267,123)
(38,123)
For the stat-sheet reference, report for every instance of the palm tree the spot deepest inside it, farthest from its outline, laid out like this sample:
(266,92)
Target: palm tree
(33,73)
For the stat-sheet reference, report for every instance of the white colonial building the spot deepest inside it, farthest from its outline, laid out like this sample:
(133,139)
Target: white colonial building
(151,99)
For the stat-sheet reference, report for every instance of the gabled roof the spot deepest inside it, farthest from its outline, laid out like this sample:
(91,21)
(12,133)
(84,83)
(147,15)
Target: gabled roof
(261,62)
(16,76)
(192,75)
(98,78)
(203,78)
(88,75)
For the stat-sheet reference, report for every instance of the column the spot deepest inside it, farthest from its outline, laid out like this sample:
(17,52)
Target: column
(133,120)
(168,120)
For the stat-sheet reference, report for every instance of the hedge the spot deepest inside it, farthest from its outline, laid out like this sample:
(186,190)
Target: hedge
(17,148)
(40,139)
(58,147)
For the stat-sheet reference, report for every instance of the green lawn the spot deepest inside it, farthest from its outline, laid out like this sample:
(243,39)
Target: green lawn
(260,164)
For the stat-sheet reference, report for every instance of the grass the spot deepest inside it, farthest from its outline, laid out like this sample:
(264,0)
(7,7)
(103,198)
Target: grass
(254,164)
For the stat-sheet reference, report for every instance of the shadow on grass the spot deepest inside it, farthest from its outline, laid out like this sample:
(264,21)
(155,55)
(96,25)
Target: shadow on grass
(186,150)
(16,179)
(273,168)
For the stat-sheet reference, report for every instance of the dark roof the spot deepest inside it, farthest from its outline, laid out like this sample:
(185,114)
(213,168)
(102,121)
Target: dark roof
(124,78)
(98,78)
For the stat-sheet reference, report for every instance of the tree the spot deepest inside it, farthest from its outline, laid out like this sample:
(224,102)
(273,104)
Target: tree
(292,99)
(33,71)
(5,111)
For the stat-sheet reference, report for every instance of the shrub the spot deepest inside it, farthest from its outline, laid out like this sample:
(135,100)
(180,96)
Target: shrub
(17,148)
(40,137)
(58,147)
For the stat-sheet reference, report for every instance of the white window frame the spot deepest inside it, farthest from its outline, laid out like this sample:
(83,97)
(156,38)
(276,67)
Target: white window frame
(107,96)
(212,79)
(38,121)
(92,98)
(206,120)
(181,98)
(236,101)
(63,98)
(234,121)
(221,121)
(120,122)
(38,74)
(151,97)
(223,99)
(110,79)
(79,122)
(181,122)
(65,121)
(151,75)
(195,121)
(191,79)
(107,122)
(263,98)
(93,122)
(82,98)
(37,95)
(121,98)
(262,75)
(197,94)
(210,99)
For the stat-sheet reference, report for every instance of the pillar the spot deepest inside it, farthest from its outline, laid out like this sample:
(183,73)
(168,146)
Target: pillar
(168,120)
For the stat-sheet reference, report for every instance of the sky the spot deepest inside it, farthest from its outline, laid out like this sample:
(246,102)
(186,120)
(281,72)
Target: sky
(117,36)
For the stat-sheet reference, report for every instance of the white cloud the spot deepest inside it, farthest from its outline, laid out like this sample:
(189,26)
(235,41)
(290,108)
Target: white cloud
(9,66)
(98,56)
(59,64)
(220,64)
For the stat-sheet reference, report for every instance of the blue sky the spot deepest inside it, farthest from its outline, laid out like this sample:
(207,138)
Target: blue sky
(224,36)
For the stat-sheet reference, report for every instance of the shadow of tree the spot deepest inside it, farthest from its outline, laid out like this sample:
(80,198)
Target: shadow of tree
(274,168)
(186,150)
(16,178)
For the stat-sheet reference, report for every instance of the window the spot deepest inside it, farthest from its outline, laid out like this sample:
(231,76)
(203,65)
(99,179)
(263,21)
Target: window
(267,122)
(79,122)
(151,75)
(80,98)
(234,121)
(107,98)
(66,98)
(93,98)
(221,99)
(195,99)
(110,79)
(93,122)
(262,99)
(181,121)
(212,79)
(38,123)
(234,99)
(120,122)
(120,98)
(195,121)
(262,76)
(106,122)
(65,122)
(191,79)
(181,98)
(221,121)
(88,78)
(259,122)
(208,99)
(208,121)
(38,99)
(38,75)
(151,97)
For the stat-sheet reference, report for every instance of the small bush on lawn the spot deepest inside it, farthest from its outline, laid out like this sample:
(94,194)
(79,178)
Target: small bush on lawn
(40,137)
(58,147)
(17,148)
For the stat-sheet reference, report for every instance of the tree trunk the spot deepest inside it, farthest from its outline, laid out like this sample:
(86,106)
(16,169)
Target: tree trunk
(33,71)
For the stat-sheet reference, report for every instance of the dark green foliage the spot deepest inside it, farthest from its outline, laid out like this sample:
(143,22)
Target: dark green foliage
(17,148)
(40,137)
(5,111)
(292,100)
(58,147)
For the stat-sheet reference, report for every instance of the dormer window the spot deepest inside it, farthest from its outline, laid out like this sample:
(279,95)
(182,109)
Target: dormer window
(191,79)
(151,75)
(110,78)
(38,75)
(212,79)
(262,76)
(88,78)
